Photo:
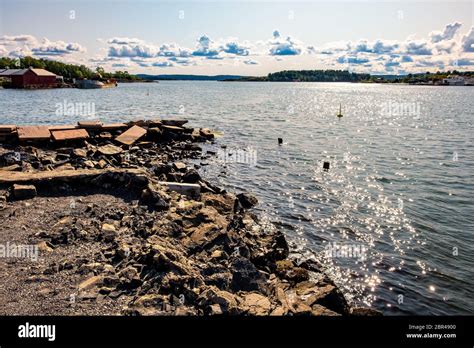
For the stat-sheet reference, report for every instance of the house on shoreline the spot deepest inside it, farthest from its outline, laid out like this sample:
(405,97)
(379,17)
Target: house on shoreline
(29,78)
(456,80)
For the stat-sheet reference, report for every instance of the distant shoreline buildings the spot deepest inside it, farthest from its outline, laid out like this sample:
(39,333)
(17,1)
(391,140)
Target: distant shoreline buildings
(32,78)
(457,80)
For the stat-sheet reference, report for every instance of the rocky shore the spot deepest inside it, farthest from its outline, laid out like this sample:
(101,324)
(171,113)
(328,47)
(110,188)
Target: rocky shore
(124,225)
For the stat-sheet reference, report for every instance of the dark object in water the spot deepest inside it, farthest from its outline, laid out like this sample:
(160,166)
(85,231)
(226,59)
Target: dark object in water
(280,141)
(326,166)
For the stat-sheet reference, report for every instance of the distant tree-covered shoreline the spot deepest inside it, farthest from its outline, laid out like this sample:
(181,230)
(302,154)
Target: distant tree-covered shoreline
(317,76)
(72,71)
(347,76)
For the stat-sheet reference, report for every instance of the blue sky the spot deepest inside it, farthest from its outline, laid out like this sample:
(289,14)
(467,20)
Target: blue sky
(242,37)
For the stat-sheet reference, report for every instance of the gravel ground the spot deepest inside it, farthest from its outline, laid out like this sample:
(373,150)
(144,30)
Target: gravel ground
(25,289)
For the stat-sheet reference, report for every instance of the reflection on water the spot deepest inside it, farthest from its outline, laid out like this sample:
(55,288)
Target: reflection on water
(398,191)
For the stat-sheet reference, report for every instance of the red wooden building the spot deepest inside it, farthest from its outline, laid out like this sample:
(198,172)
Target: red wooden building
(31,78)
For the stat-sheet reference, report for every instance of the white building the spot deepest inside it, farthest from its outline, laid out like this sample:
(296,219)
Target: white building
(454,80)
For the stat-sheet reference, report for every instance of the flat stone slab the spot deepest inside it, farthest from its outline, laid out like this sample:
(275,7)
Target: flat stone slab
(91,282)
(176,123)
(61,175)
(62,127)
(95,124)
(13,167)
(34,133)
(7,128)
(191,190)
(109,150)
(173,128)
(114,126)
(131,135)
(71,134)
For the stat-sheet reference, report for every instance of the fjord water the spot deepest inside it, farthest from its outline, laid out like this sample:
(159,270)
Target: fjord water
(400,183)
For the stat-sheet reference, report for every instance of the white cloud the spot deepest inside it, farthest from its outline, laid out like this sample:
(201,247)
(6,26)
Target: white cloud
(334,47)
(468,41)
(284,47)
(447,34)
(6,39)
(19,52)
(251,62)
(205,47)
(24,45)
(345,59)
(463,62)
(56,48)
(418,47)
(173,50)
(124,41)
(182,61)
(130,51)
(236,48)
(445,46)
(378,46)
(162,64)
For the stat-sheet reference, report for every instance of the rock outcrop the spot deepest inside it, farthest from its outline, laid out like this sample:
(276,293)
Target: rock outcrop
(175,244)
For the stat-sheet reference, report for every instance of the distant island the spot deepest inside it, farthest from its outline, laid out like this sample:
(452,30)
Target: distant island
(181,77)
(438,78)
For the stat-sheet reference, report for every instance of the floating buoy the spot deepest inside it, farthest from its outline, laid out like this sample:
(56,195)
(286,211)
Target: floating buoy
(340,111)
(280,141)
(326,166)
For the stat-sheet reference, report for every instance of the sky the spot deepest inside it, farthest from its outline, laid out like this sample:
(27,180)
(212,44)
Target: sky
(248,37)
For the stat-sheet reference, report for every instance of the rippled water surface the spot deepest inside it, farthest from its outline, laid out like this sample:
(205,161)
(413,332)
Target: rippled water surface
(399,188)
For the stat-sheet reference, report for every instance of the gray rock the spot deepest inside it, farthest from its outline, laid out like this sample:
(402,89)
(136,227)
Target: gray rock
(247,200)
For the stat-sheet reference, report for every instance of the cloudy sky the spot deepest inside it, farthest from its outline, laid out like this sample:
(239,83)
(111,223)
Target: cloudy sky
(243,37)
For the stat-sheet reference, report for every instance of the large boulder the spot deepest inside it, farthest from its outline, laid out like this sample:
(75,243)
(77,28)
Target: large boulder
(256,304)
(247,200)
(246,277)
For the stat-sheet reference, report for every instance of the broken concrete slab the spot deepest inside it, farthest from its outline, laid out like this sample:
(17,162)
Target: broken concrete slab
(7,128)
(131,135)
(11,168)
(91,282)
(70,134)
(95,124)
(64,175)
(191,190)
(174,129)
(26,133)
(109,150)
(62,127)
(80,153)
(105,135)
(114,126)
(24,191)
(176,123)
